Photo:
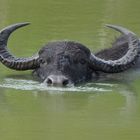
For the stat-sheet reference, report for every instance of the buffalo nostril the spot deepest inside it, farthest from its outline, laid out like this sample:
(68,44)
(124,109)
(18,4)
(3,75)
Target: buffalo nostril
(49,81)
(65,82)
(54,80)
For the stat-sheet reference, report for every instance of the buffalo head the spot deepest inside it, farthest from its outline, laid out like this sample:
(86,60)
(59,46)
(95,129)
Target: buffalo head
(64,62)
(67,62)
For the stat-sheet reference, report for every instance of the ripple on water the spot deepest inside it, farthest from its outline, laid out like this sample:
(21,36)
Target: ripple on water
(34,85)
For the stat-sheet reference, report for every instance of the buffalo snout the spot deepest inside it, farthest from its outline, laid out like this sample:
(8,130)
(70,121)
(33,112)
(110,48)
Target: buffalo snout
(57,80)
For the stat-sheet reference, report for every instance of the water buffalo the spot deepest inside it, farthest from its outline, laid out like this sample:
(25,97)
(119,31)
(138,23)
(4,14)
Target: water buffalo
(68,62)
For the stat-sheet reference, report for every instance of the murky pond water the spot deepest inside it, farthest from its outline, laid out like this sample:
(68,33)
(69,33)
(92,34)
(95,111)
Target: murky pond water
(103,110)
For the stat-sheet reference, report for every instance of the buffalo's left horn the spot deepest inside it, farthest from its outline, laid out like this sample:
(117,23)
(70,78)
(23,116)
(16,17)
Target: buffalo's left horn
(8,59)
(125,62)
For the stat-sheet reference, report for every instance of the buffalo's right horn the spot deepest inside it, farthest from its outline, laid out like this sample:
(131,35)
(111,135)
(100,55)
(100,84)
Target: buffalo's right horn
(8,59)
(123,63)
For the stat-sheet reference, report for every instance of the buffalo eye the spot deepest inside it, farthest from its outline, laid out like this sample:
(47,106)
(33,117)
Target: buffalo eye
(41,60)
(82,61)
(48,60)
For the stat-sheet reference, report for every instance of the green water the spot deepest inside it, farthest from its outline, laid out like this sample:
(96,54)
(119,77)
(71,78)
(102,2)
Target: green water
(105,110)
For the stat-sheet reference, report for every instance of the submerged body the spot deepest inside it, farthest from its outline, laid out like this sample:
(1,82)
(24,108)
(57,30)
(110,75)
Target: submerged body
(67,62)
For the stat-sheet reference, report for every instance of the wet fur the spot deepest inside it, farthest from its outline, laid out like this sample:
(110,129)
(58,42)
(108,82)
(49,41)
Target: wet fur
(119,49)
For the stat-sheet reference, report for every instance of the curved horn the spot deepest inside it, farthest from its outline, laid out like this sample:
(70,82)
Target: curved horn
(120,29)
(129,59)
(8,59)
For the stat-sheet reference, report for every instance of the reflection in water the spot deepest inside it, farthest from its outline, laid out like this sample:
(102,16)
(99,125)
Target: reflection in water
(126,111)
(129,109)
(40,112)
